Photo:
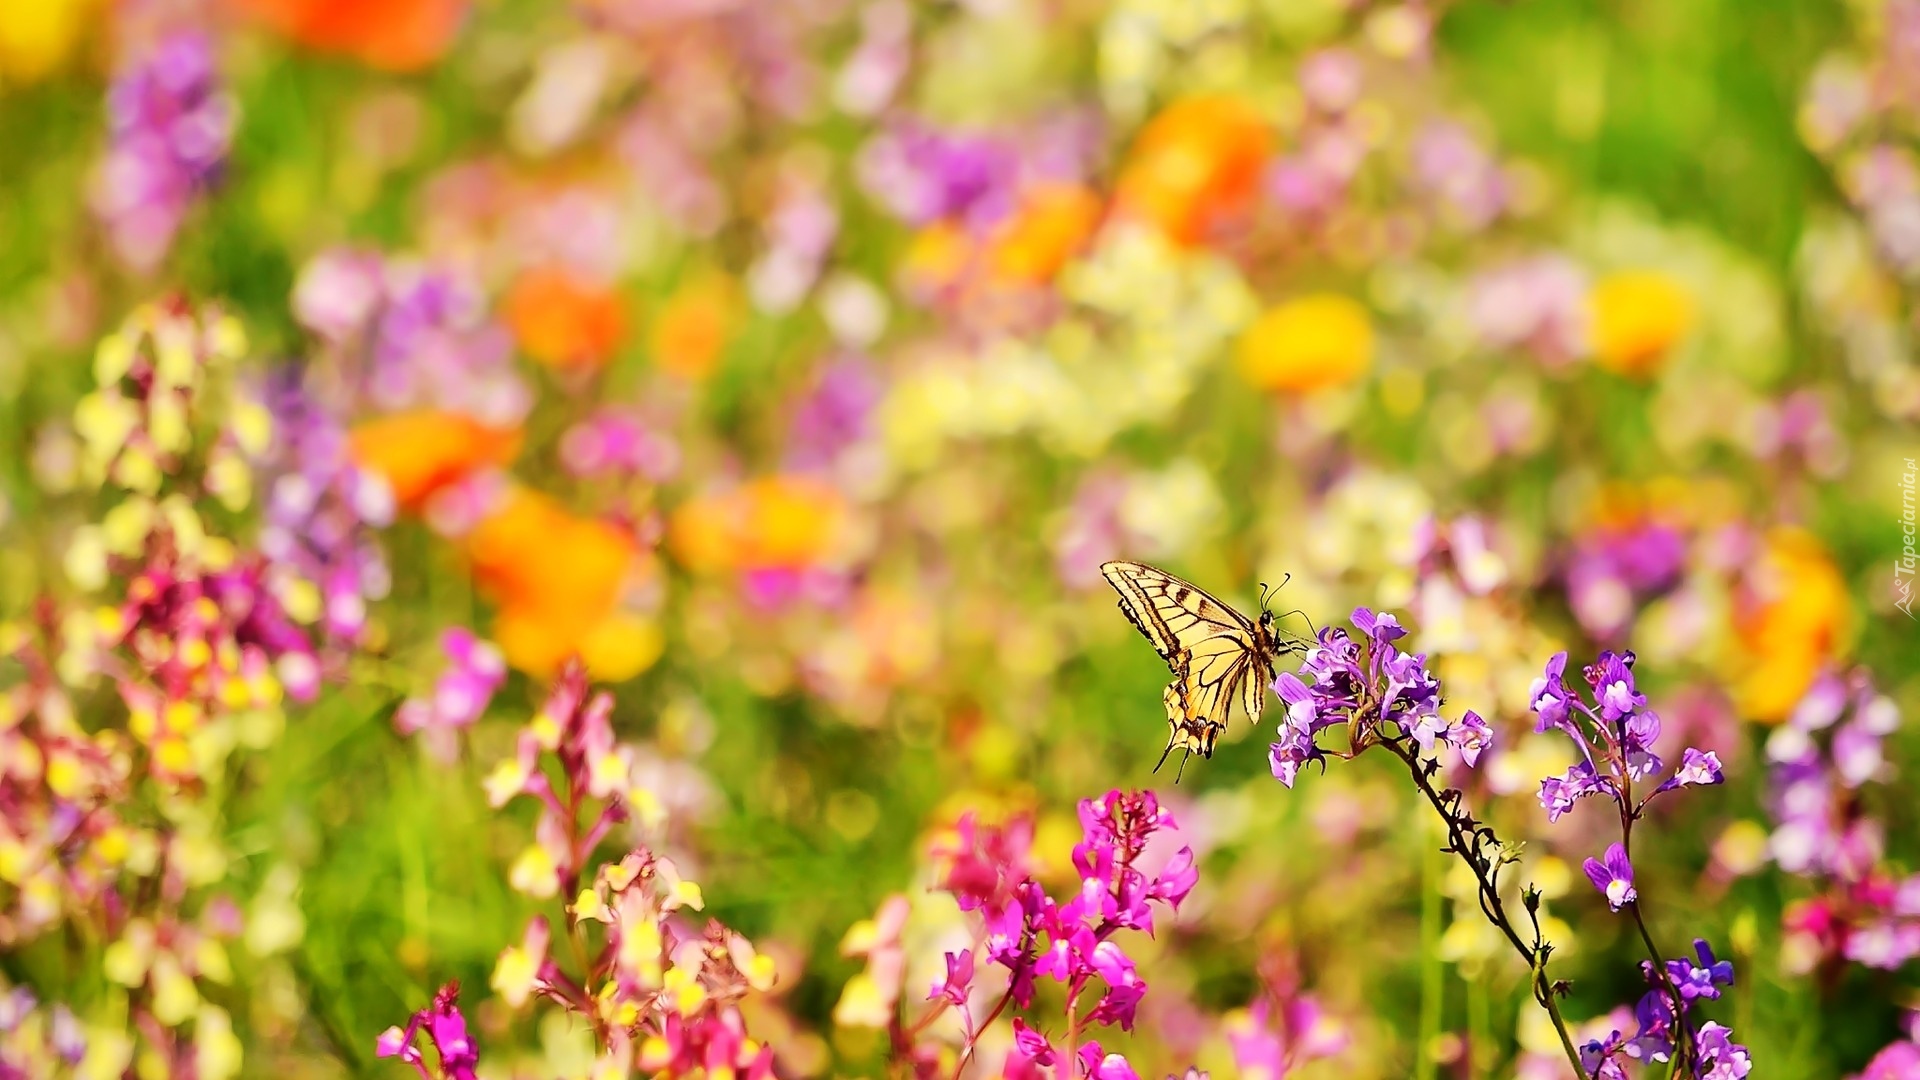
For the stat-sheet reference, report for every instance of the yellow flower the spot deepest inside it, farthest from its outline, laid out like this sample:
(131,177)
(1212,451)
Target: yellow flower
(36,36)
(1638,316)
(1306,344)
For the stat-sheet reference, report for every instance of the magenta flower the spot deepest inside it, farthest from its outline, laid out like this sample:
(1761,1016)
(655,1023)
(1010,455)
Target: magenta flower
(1097,1064)
(445,1028)
(958,980)
(1613,876)
(475,671)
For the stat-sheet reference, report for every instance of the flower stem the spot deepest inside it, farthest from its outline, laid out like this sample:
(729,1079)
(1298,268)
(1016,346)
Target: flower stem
(1466,842)
(1431,971)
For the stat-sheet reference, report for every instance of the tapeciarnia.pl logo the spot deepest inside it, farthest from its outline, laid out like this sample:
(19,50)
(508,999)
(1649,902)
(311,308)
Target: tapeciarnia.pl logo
(1903,567)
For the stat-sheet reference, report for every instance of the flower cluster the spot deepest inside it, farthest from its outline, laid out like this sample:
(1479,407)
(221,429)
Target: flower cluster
(660,992)
(1708,1046)
(410,336)
(1615,734)
(1827,751)
(593,794)
(170,126)
(1377,692)
(1022,935)
(321,515)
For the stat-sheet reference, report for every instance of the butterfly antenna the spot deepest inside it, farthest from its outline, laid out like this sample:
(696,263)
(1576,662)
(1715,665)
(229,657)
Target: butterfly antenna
(1302,613)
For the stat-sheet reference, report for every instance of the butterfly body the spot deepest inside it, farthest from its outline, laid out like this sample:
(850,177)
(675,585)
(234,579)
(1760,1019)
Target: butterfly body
(1216,654)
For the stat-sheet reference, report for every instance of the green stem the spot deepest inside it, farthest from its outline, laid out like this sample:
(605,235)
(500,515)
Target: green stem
(1479,1030)
(1431,971)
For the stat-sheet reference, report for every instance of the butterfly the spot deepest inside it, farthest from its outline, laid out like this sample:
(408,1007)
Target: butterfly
(1216,653)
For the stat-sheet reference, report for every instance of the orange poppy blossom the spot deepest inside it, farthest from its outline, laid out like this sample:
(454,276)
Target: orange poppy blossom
(788,522)
(558,580)
(394,35)
(563,320)
(420,452)
(1052,223)
(694,325)
(1194,165)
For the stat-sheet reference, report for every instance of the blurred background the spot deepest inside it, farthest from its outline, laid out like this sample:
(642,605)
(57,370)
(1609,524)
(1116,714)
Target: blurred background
(796,363)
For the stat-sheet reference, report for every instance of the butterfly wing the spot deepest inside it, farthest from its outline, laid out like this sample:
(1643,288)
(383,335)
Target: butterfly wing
(1215,652)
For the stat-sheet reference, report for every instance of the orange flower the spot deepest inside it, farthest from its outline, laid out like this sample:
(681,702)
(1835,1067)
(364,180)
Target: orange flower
(418,453)
(1638,316)
(564,321)
(774,523)
(396,35)
(1195,164)
(1307,344)
(692,329)
(1792,623)
(558,579)
(1052,223)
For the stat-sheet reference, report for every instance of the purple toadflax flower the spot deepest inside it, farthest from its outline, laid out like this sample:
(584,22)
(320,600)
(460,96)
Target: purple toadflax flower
(1615,735)
(1613,876)
(1378,692)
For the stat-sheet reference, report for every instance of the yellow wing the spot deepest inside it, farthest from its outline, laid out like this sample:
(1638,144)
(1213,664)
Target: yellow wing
(1215,653)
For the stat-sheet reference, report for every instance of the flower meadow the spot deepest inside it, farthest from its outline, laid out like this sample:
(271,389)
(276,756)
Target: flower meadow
(562,539)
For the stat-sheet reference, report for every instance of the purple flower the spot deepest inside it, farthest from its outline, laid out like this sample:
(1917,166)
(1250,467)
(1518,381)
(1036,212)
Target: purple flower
(1559,793)
(834,416)
(1704,978)
(1611,677)
(612,442)
(1383,627)
(1549,697)
(923,175)
(1471,736)
(1613,876)
(170,126)
(1697,767)
(1720,1057)
(1294,750)
(1600,1058)
(1638,731)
